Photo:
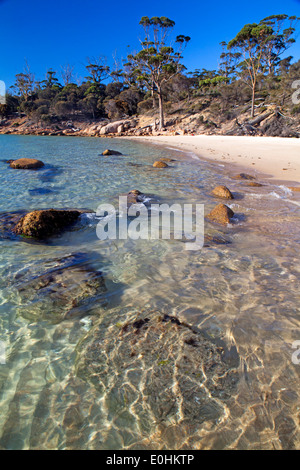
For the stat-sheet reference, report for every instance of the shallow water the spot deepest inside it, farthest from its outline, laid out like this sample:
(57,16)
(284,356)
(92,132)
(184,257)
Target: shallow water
(243,296)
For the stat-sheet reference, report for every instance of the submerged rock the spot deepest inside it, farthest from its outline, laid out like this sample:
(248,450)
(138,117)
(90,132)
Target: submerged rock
(42,224)
(222,192)
(157,372)
(167,159)
(243,176)
(26,164)
(8,222)
(38,191)
(47,176)
(70,288)
(160,164)
(110,152)
(221,214)
(254,184)
(215,240)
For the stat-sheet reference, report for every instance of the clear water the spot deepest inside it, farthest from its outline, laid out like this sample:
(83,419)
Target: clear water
(244,295)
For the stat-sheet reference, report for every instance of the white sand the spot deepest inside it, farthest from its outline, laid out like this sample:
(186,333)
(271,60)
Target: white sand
(276,157)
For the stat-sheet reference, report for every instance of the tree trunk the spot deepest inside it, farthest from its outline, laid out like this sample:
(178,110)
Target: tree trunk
(153,96)
(260,118)
(253,99)
(161,110)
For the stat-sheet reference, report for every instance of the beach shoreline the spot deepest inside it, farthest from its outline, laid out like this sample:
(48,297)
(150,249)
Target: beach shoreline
(274,158)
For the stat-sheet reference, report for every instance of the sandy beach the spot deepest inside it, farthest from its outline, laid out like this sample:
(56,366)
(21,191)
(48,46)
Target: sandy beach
(278,158)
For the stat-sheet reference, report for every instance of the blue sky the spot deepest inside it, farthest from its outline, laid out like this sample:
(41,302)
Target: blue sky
(49,34)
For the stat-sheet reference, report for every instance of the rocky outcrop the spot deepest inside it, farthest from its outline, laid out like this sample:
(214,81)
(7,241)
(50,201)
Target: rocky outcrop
(114,127)
(222,192)
(160,164)
(108,152)
(26,164)
(221,214)
(41,224)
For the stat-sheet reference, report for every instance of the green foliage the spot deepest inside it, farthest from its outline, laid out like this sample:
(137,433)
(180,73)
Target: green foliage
(251,70)
(212,82)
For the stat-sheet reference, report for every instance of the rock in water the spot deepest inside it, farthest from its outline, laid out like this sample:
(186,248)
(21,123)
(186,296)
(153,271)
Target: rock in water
(136,192)
(159,373)
(253,184)
(8,222)
(159,164)
(221,214)
(70,288)
(134,197)
(38,191)
(42,224)
(26,164)
(243,176)
(222,192)
(110,152)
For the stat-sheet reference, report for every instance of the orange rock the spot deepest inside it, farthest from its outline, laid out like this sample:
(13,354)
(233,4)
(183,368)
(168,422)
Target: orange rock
(223,192)
(160,165)
(42,224)
(221,214)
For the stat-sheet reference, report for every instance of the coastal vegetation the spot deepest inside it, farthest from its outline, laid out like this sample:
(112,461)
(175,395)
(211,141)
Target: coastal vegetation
(250,90)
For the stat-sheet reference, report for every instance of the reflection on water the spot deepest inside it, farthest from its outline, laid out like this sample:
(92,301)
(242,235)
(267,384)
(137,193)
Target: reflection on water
(177,349)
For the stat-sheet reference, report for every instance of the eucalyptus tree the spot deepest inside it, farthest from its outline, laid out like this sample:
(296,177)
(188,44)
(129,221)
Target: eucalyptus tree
(98,73)
(228,62)
(25,83)
(157,62)
(67,74)
(281,39)
(260,46)
(50,81)
(251,43)
(97,69)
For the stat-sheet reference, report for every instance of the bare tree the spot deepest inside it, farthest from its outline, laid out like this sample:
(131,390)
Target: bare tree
(67,74)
